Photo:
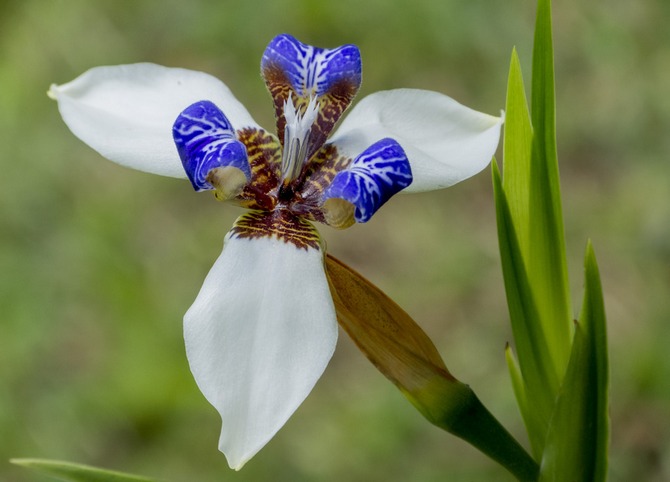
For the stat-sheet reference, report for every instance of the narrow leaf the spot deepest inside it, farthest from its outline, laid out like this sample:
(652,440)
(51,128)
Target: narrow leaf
(535,426)
(70,472)
(517,143)
(517,379)
(547,267)
(543,103)
(577,442)
(593,318)
(540,376)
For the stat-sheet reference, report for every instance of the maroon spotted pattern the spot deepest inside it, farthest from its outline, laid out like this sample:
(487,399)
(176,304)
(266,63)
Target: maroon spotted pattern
(284,211)
(281,225)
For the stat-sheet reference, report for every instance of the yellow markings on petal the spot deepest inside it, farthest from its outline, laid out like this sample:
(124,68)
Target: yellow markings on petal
(264,156)
(332,106)
(280,225)
(263,151)
(321,171)
(280,89)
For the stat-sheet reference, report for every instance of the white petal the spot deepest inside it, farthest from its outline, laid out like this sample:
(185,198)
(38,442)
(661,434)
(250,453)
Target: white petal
(126,112)
(445,141)
(258,337)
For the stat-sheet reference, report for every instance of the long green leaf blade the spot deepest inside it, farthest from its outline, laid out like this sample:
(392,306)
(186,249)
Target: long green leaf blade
(578,438)
(517,380)
(547,267)
(70,472)
(540,377)
(594,320)
(517,142)
(535,426)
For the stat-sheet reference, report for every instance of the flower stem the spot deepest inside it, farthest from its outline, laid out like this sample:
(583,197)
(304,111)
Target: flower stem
(472,422)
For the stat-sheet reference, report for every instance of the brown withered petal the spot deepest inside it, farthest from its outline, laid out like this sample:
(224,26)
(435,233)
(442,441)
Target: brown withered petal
(383,331)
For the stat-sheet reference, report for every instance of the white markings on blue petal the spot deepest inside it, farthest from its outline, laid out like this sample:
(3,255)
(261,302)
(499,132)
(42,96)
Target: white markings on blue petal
(206,140)
(372,178)
(313,70)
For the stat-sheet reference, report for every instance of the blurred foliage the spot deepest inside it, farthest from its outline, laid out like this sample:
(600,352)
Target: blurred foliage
(98,263)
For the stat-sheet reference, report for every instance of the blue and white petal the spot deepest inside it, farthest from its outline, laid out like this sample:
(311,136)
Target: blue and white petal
(372,178)
(205,141)
(331,77)
(259,336)
(312,70)
(126,112)
(445,141)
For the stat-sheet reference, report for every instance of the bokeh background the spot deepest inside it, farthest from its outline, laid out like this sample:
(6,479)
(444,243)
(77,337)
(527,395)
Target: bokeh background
(98,263)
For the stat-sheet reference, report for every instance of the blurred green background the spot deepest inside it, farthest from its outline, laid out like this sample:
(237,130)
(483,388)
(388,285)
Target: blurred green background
(98,263)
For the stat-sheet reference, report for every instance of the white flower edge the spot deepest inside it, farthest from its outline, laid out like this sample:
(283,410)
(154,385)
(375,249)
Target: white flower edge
(126,112)
(258,337)
(445,141)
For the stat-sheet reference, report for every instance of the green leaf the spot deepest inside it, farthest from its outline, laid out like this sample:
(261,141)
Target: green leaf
(547,267)
(593,318)
(530,230)
(532,418)
(517,380)
(578,438)
(539,375)
(69,472)
(517,143)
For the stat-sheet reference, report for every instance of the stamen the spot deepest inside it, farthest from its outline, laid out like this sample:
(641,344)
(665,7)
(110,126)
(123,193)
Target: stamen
(296,137)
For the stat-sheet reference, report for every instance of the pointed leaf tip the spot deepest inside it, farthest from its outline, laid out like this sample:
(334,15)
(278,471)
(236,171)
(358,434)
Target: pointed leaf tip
(578,437)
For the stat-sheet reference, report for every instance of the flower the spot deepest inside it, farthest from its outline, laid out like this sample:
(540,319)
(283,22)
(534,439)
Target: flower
(263,327)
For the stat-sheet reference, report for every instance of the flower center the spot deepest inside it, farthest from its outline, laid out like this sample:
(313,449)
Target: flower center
(296,137)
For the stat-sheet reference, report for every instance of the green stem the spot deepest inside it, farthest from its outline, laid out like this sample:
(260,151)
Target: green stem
(473,423)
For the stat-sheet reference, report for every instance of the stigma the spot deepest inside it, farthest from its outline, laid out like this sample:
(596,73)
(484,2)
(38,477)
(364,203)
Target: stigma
(296,137)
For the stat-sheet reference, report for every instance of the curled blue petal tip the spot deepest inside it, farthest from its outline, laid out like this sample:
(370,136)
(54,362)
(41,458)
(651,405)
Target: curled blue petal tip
(206,140)
(378,173)
(313,70)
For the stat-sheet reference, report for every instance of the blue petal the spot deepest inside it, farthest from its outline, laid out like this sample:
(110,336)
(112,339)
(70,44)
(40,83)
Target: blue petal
(206,140)
(372,178)
(312,70)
